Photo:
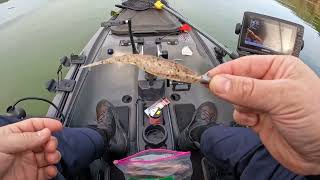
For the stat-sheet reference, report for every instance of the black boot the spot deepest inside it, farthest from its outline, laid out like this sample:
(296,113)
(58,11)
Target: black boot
(109,124)
(204,117)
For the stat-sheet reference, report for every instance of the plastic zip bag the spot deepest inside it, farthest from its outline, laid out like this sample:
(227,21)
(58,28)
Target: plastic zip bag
(156,164)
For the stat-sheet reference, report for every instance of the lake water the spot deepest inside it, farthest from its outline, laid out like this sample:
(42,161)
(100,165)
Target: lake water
(34,34)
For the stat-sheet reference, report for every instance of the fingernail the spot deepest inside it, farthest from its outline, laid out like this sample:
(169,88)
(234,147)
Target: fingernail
(252,120)
(221,84)
(42,132)
(209,74)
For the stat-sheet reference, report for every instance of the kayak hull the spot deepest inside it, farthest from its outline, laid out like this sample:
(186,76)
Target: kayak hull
(126,87)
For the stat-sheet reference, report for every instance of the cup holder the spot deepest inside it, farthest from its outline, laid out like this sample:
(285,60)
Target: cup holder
(155,135)
(126,99)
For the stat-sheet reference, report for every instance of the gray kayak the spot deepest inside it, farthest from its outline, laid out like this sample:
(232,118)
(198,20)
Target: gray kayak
(132,90)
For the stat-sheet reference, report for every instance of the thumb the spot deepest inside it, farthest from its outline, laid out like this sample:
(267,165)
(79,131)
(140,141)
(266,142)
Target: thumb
(245,91)
(20,142)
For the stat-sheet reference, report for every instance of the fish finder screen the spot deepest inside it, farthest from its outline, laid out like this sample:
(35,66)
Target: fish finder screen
(269,34)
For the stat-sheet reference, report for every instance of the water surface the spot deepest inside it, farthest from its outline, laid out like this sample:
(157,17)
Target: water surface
(34,34)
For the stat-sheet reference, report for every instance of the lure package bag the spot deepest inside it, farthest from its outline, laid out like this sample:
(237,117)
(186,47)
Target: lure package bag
(156,164)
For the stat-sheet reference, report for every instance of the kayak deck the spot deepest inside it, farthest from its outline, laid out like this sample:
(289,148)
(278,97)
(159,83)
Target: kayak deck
(125,86)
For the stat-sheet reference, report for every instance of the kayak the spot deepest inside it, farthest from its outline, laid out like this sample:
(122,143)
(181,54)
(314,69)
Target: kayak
(146,31)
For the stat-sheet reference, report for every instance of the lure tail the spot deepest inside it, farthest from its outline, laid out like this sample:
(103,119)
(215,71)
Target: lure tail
(112,60)
(93,64)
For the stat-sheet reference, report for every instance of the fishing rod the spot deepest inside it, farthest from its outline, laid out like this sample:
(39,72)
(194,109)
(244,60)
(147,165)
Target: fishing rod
(160,6)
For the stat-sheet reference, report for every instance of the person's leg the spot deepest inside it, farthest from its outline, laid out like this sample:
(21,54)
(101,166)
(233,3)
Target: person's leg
(79,147)
(5,120)
(239,151)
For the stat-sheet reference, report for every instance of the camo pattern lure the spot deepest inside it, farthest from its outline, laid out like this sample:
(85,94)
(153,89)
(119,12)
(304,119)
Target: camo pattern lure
(154,65)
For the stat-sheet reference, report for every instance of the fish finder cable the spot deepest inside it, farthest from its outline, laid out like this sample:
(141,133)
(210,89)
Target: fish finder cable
(12,108)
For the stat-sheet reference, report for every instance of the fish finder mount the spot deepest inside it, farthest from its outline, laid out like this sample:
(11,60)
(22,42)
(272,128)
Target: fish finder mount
(266,35)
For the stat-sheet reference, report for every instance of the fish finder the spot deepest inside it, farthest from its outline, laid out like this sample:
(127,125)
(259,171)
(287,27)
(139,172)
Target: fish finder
(261,34)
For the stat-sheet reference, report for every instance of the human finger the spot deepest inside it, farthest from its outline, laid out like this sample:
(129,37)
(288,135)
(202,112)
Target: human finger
(257,66)
(19,142)
(252,93)
(53,158)
(48,172)
(51,171)
(246,119)
(46,159)
(244,109)
(36,124)
(51,145)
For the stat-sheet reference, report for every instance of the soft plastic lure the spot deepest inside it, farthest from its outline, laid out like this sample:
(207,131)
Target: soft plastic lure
(154,65)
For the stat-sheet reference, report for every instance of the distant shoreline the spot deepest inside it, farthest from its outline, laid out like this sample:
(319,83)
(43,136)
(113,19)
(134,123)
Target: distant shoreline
(3,1)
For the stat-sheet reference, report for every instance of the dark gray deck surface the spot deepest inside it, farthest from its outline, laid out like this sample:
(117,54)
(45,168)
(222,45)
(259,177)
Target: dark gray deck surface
(112,82)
